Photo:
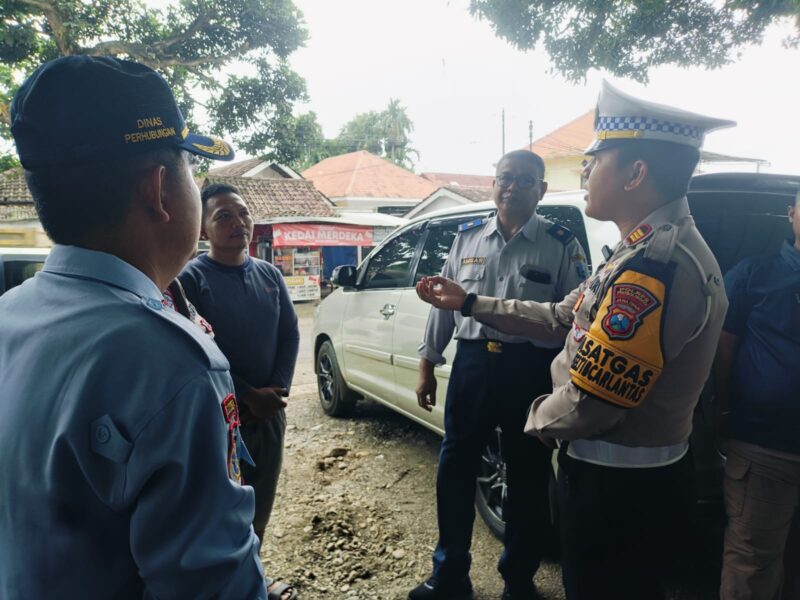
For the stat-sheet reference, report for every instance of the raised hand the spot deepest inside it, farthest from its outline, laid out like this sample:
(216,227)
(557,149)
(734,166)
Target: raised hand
(441,292)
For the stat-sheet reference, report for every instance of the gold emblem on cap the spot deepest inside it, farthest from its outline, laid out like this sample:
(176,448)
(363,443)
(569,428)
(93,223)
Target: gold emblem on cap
(611,135)
(219,148)
(184,133)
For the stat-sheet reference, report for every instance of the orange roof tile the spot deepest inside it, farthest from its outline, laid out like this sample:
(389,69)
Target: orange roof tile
(457,179)
(272,198)
(364,175)
(569,140)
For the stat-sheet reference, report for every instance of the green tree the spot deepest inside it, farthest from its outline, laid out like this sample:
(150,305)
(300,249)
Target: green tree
(190,42)
(397,126)
(629,37)
(365,131)
(309,145)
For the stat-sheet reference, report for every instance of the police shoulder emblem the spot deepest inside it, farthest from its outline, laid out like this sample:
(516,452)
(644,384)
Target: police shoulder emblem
(561,233)
(639,235)
(629,305)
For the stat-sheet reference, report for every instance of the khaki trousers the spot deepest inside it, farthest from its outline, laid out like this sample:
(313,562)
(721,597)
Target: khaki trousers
(761,492)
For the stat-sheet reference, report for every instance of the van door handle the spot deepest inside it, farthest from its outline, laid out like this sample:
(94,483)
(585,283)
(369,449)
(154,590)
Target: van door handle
(388,310)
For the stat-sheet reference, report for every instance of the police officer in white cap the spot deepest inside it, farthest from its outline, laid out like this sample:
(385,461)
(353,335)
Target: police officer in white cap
(639,337)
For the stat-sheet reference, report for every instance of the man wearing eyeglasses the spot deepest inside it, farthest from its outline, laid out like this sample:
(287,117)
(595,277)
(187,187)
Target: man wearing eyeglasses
(515,254)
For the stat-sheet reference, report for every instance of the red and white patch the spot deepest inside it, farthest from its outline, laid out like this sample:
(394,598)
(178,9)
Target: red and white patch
(230,410)
(629,305)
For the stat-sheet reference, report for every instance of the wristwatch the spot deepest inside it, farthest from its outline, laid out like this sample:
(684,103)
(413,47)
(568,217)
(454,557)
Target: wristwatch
(466,308)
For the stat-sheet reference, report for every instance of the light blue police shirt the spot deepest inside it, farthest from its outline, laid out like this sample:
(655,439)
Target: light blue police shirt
(113,444)
(542,262)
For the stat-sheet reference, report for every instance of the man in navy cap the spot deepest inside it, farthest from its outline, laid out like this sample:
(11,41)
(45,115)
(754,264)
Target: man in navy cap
(119,438)
(639,337)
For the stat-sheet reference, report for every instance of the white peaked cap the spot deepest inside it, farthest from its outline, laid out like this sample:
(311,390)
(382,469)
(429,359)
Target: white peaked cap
(620,117)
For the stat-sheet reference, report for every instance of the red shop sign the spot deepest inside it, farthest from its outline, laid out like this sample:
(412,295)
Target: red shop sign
(316,234)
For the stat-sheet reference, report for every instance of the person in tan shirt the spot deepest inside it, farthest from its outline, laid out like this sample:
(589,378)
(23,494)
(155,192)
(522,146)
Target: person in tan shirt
(639,337)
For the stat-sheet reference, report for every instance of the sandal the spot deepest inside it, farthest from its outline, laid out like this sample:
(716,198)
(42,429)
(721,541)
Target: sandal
(279,590)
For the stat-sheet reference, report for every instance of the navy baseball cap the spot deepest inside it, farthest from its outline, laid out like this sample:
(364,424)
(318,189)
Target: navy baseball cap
(79,108)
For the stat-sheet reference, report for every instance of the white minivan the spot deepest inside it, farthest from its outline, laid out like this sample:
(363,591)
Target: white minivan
(367,331)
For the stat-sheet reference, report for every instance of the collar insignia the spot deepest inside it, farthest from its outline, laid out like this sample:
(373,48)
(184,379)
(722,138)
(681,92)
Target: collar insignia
(638,235)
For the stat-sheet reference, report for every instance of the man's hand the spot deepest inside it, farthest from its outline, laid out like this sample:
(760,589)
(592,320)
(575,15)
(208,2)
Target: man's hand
(441,292)
(265,402)
(426,388)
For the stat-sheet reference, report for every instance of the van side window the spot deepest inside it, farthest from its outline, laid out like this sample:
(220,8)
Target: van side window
(571,218)
(437,245)
(17,271)
(390,267)
(437,248)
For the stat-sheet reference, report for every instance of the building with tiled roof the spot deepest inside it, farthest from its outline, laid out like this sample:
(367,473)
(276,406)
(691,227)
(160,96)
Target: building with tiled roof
(361,181)
(272,199)
(255,167)
(459,179)
(564,160)
(19,223)
(448,197)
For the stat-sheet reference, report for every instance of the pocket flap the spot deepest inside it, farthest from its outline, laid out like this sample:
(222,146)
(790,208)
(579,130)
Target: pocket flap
(471,272)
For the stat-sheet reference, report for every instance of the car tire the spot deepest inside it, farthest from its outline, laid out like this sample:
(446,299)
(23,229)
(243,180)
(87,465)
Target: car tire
(492,493)
(336,399)
(492,487)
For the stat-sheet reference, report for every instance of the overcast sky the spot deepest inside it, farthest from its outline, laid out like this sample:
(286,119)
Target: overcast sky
(454,76)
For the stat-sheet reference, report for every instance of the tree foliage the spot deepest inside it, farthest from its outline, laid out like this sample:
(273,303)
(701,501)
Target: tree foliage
(629,37)
(384,133)
(190,42)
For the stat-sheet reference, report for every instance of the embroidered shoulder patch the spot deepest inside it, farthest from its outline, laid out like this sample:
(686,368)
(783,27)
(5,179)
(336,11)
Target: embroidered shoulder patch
(472,224)
(639,235)
(630,303)
(620,359)
(561,233)
(230,410)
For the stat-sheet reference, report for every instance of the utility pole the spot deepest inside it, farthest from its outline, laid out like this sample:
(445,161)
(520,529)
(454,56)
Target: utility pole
(503,127)
(530,136)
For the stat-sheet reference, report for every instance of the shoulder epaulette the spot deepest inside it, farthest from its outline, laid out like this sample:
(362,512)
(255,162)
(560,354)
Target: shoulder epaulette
(561,233)
(472,224)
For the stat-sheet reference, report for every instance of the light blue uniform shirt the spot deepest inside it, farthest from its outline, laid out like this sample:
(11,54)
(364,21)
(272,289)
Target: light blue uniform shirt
(542,262)
(113,444)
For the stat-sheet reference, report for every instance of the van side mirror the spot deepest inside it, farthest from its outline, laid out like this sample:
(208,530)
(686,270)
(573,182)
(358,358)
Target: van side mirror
(344,276)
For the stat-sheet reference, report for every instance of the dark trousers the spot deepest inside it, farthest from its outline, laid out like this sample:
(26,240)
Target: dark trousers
(264,441)
(488,389)
(620,528)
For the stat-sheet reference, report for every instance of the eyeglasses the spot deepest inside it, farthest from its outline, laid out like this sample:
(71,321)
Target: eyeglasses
(524,182)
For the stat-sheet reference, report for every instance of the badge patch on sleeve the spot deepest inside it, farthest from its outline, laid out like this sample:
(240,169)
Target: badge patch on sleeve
(620,357)
(230,411)
(629,305)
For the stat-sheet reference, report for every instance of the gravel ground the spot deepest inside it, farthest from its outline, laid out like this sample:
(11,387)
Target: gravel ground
(355,516)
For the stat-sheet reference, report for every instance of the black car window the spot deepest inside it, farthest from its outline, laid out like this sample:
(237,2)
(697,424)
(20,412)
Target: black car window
(571,218)
(17,271)
(391,265)
(437,245)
